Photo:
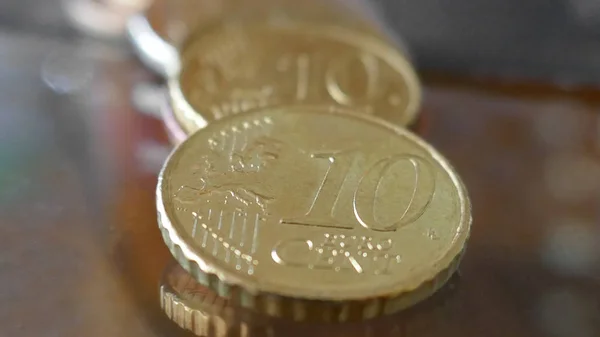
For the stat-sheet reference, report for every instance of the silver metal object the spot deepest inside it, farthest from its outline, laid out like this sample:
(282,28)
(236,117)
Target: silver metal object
(156,53)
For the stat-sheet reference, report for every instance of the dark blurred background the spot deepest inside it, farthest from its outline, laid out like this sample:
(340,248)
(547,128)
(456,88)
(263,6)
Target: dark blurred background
(543,40)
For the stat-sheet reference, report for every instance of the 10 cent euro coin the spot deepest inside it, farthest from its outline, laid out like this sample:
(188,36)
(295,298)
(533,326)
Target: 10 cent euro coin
(313,213)
(231,68)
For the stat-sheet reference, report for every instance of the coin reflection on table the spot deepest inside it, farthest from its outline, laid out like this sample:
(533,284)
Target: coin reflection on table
(198,309)
(260,205)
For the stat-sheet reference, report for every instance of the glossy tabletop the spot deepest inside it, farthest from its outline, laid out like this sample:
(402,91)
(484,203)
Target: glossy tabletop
(81,255)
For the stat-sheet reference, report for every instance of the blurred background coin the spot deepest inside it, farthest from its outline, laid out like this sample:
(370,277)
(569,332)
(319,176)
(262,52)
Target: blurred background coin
(232,67)
(259,206)
(177,134)
(158,32)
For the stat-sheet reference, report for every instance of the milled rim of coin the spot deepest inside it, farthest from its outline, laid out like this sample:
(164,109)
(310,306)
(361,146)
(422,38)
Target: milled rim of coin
(174,130)
(156,53)
(191,119)
(366,300)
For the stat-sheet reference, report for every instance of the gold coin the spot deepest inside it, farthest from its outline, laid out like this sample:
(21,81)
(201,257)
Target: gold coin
(313,213)
(232,68)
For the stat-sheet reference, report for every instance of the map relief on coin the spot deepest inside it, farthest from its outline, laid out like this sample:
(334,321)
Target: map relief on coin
(225,194)
(342,205)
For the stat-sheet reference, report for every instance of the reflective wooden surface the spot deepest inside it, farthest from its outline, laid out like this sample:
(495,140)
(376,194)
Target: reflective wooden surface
(81,254)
